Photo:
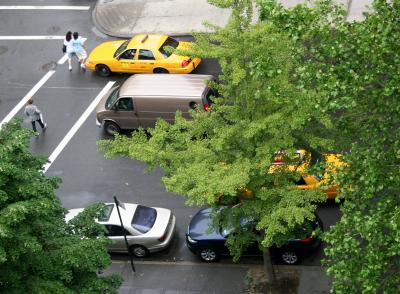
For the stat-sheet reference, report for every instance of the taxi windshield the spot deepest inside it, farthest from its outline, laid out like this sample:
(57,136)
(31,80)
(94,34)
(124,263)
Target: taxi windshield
(121,48)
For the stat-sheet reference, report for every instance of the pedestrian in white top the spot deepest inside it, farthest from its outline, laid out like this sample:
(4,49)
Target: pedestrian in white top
(80,49)
(34,115)
(69,49)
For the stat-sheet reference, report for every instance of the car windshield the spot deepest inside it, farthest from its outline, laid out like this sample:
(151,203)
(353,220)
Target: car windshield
(121,48)
(168,42)
(105,216)
(112,98)
(144,218)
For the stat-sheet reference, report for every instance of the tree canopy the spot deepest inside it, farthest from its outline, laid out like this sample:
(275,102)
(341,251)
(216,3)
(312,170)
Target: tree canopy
(39,251)
(357,66)
(220,153)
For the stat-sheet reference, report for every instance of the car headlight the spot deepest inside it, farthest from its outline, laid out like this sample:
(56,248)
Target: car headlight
(191,240)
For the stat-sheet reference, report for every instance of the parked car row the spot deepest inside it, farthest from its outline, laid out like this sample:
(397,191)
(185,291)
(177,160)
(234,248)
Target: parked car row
(151,229)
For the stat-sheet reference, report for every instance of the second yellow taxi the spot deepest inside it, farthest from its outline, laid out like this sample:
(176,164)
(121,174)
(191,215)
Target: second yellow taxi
(141,54)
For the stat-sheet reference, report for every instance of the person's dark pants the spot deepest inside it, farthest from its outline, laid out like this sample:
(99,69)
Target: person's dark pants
(40,123)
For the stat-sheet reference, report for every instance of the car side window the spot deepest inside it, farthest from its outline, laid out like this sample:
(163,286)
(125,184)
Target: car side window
(116,231)
(128,54)
(301,182)
(124,104)
(146,55)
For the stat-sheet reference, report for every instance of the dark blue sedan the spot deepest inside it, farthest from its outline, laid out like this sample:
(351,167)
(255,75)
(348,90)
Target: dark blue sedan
(209,245)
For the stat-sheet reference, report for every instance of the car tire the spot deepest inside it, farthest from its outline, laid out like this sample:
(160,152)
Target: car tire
(289,257)
(208,254)
(159,70)
(103,70)
(111,128)
(139,251)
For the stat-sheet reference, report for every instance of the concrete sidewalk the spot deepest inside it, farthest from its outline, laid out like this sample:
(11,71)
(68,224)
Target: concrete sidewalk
(201,278)
(125,18)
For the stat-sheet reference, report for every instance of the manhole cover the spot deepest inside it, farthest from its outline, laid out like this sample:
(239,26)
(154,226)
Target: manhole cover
(3,49)
(49,66)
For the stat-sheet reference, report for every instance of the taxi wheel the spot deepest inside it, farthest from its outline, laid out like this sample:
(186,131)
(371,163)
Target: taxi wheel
(103,70)
(159,70)
(111,128)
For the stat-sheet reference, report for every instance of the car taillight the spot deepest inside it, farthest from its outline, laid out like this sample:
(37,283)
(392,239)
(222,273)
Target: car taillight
(185,63)
(306,240)
(162,238)
(206,107)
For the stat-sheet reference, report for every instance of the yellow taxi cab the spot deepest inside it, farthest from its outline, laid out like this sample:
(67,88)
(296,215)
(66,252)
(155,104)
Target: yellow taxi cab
(309,181)
(141,54)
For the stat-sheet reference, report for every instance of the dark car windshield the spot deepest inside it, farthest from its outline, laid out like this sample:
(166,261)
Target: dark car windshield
(121,48)
(168,42)
(112,98)
(144,218)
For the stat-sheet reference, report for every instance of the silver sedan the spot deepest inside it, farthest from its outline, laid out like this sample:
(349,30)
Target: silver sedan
(148,229)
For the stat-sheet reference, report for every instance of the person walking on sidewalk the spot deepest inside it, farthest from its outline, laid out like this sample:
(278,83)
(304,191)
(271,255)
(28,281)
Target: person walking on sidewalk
(80,49)
(69,49)
(34,115)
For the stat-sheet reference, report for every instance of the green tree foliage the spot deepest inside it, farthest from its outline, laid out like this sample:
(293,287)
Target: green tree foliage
(218,153)
(39,252)
(357,66)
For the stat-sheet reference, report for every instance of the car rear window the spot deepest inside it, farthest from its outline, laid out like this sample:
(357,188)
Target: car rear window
(144,218)
(168,42)
(121,48)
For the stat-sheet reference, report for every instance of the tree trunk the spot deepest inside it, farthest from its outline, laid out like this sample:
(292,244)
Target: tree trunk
(268,267)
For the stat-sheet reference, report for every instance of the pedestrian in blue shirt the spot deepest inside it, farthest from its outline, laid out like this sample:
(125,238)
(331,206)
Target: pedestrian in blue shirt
(80,49)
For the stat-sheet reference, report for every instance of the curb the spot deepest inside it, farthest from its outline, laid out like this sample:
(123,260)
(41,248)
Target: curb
(189,263)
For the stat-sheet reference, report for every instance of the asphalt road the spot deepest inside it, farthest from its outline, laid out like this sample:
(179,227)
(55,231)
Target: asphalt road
(87,177)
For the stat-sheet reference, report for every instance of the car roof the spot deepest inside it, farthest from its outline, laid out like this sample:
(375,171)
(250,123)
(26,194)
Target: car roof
(126,214)
(165,85)
(147,41)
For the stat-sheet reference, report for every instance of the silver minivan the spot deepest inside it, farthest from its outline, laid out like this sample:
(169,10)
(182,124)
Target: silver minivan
(144,98)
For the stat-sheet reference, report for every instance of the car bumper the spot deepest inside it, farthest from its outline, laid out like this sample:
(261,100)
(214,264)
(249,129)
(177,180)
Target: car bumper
(90,65)
(98,123)
(192,247)
(188,69)
(168,239)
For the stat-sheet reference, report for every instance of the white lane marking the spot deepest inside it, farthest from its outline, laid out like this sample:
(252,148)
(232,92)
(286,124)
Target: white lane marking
(11,7)
(76,126)
(32,37)
(63,59)
(27,97)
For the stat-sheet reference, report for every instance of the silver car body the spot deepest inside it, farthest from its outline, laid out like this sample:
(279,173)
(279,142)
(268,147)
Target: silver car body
(156,239)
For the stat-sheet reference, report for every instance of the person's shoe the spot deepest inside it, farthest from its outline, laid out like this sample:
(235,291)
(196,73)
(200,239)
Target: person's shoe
(70,68)
(45,127)
(83,67)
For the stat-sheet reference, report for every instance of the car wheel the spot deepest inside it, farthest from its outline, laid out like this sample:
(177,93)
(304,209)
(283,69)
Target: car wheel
(111,128)
(208,254)
(289,257)
(139,251)
(103,70)
(159,70)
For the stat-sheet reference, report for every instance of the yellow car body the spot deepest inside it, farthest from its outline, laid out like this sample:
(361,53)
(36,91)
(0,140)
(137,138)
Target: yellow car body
(310,182)
(141,54)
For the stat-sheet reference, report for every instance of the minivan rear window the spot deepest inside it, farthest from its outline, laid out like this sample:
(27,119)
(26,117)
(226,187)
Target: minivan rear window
(144,218)
(112,98)
(168,42)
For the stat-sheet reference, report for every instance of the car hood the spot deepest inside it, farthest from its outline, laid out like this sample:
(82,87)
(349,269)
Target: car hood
(105,51)
(72,213)
(199,227)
